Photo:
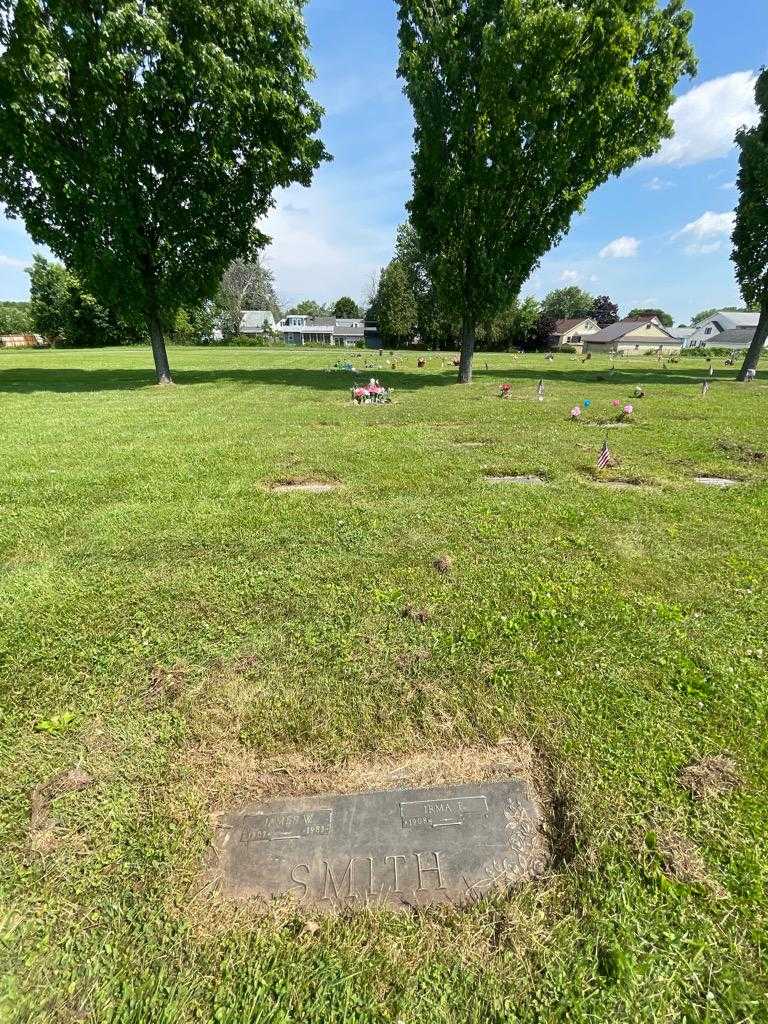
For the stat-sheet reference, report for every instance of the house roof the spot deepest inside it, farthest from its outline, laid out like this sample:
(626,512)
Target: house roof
(739,337)
(564,326)
(726,319)
(320,321)
(623,327)
(343,331)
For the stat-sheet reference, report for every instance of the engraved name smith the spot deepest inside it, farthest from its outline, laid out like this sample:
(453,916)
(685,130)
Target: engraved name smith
(450,844)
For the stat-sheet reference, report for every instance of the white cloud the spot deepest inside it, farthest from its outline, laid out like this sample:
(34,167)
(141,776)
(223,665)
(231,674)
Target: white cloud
(11,261)
(621,248)
(570,276)
(707,118)
(327,240)
(658,185)
(708,225)
(703,248)
(729,186)
(706,234)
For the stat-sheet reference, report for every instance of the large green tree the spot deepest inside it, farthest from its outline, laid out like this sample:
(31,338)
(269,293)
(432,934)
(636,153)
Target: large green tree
(142,139)
(245,284)
(66,313)
(604,311)
(663,317)
(567,303)
(396,305)
(15,318)
(750,235)
(346,308)
(522,108)
(309,307)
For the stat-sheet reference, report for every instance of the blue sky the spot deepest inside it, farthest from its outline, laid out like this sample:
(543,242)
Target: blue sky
(656,236)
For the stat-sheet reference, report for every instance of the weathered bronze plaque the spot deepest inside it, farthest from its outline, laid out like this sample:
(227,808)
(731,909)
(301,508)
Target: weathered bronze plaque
(450,844)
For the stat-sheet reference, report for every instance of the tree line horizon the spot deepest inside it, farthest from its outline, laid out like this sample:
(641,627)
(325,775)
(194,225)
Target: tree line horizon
(143,144)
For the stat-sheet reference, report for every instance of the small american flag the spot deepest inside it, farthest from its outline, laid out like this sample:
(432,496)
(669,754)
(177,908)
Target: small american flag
(605,459)
(540,391)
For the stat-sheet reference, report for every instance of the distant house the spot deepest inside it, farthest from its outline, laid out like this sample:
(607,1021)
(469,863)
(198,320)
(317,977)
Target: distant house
(21,341)
(683,334)
(706,332)
(349,332)
(633,338)
(738,338)
(372,337)
(257,321)
(571,332)
(322,330)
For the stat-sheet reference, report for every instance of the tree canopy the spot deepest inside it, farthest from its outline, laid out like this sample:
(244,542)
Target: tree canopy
(346,308)
(567,303)
(142,142)
(750,234)
(522,108)
(15,318)
(245,284)
(396,305)
(66,314)
(604,311)
(663,318)
(308,307)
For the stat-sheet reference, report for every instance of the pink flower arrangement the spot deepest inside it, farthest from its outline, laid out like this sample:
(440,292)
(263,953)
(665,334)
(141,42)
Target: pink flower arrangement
(628,410)
(505,390)
(615,403)
(361,392)
(575,412)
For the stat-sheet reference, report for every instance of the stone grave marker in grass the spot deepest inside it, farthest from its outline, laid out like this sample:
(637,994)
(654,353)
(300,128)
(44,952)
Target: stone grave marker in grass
(717,481)
(524,479)
(306,486)
(406,848)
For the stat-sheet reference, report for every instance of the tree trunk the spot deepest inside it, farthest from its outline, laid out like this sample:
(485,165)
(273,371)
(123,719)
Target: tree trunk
(758,342)
(467,351)
(162,369)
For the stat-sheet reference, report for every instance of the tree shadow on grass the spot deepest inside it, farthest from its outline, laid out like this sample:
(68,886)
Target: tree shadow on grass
(29,380)
(625,375)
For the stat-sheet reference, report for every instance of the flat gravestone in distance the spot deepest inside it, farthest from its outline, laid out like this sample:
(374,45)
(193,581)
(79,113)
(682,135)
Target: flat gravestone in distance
(449,844)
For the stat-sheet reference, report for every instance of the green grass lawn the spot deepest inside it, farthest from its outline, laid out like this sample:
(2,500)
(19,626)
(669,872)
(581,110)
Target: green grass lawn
(186,637)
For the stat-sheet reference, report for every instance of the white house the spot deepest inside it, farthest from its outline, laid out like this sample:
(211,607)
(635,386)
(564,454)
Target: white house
(706,332)
(322,330)
(257,321)
(633,338)
(570,332)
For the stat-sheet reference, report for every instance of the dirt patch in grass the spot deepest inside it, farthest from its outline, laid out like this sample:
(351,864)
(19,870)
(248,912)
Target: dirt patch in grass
(420,615)
(43,831)
(231,777)
(443,565)
(711,776)
(164,687)
(307,485)
(741,452)
(681,859)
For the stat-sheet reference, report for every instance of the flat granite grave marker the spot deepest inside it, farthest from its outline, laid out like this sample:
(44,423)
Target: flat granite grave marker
(399,848)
